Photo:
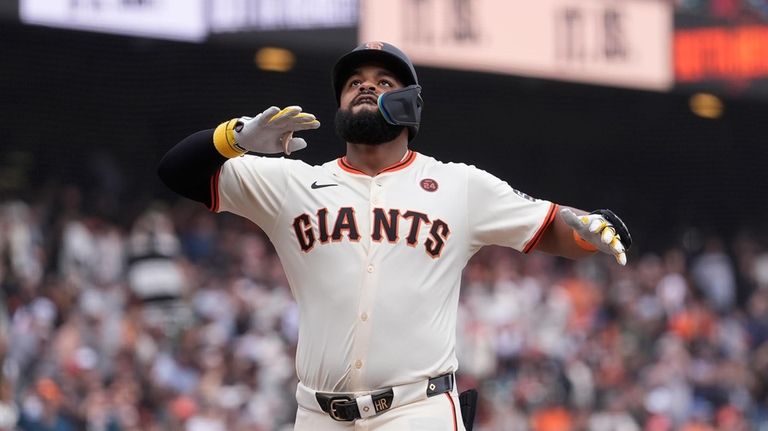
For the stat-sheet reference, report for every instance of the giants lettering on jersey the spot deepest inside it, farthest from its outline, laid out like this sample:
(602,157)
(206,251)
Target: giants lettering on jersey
(388,225)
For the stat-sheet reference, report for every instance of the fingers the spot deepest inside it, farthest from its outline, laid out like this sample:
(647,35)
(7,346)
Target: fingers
(292,119)
(617,248)
(607,234)
(302,121)
(621,258)
(304,117)
(597,224)
(294,123)
(266,116)
(295,144)
(305,125)
(609,237)
(291,144)
(616,245)
(284,139)
(284,115)
(570,218)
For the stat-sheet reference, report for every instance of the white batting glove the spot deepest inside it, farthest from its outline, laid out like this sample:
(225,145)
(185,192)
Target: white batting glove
(603,229)
(271,131)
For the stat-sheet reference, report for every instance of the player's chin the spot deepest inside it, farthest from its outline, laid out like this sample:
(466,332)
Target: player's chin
(364,107)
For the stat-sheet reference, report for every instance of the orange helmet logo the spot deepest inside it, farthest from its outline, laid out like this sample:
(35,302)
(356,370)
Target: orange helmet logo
(374,45)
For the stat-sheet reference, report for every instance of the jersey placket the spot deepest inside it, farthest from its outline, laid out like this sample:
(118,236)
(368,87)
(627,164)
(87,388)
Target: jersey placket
(369,287)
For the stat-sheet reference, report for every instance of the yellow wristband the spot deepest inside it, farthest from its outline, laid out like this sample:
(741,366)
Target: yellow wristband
(582,243)
(224,139)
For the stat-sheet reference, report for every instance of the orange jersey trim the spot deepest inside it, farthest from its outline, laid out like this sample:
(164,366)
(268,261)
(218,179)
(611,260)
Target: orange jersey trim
(215,191)
(409,158)
(540,233)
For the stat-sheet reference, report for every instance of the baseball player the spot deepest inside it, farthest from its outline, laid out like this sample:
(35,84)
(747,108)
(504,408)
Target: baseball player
(374,243)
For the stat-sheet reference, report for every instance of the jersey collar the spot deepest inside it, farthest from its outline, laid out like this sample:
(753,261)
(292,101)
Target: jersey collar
(406,161)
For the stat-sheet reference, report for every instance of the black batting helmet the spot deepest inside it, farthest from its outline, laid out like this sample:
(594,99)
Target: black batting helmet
(396,62)
(387,54)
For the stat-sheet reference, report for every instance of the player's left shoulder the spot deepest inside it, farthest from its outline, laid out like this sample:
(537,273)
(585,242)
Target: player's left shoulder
(434,175)
(431,163)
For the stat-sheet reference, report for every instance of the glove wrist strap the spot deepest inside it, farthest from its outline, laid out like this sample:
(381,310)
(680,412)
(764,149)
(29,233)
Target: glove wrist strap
(224,140)
(582,243)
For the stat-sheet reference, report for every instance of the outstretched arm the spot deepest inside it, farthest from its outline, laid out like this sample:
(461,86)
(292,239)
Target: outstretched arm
(190,167)
(575,234)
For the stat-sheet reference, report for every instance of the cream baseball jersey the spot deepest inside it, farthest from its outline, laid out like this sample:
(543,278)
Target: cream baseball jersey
(374,263)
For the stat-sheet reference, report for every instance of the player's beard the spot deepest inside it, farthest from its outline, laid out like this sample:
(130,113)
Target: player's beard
(365,127)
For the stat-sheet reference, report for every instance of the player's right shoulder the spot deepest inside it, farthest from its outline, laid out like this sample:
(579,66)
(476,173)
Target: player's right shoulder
(265,167)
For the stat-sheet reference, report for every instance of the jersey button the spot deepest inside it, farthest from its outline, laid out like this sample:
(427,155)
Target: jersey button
(364,317)
(370,268)
(358,364)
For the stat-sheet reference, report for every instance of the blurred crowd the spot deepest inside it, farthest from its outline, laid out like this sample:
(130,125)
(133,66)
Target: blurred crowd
(174,318)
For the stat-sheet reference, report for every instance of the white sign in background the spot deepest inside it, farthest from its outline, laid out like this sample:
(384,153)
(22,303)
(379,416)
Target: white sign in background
(246,15)
(165,19)
(609,42)
(188,20)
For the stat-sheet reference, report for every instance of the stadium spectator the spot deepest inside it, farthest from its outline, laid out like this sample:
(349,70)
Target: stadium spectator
(675,341)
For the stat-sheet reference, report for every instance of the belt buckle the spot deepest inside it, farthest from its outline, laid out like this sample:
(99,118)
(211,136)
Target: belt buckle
(332,409)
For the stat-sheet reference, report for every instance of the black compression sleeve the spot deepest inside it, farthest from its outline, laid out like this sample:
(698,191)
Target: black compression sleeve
(189,166)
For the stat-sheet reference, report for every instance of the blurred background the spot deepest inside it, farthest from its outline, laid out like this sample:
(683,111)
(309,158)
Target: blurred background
(124,307)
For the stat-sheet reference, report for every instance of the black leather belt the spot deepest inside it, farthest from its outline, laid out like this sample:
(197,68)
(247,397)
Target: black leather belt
(344,407)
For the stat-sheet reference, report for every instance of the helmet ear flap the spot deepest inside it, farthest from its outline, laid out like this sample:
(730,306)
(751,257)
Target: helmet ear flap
(402,107)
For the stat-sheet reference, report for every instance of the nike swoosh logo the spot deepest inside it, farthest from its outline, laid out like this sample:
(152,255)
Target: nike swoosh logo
(315,185)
